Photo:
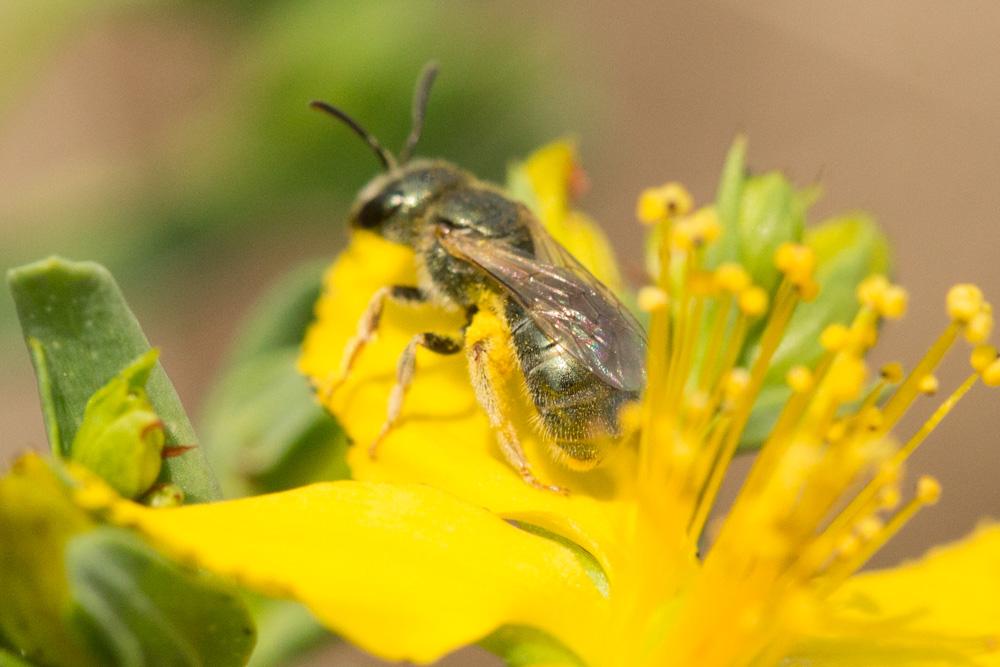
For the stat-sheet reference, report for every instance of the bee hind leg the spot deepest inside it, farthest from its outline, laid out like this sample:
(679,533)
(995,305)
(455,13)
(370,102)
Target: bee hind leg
(367,329)
(487,375)
(404,376)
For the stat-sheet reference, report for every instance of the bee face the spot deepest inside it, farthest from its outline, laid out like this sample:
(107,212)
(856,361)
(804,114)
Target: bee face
(392,204)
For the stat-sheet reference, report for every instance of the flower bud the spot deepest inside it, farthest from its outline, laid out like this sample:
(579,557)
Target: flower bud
(121,437)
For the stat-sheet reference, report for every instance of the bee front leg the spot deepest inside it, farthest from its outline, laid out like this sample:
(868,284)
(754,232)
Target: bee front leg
(404,376)
(367,329)
(488,361)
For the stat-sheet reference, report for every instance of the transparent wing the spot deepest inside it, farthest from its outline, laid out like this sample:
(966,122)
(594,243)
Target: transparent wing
(565,300)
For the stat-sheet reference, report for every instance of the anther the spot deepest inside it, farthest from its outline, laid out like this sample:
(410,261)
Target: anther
(834,337)
(979,327)
(800,379)
(928,490)
(797,262)
(991,374)
(871,289)
(652,298)
(982,356)
(732,277)
(892,302)
(753,301)
(928,385)
(892,372)
(664,203)
(964,302)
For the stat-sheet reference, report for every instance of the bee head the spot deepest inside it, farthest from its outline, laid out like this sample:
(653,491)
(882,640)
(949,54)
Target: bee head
(392,203)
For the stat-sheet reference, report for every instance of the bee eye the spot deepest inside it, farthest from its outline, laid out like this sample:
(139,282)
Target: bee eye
(378,209)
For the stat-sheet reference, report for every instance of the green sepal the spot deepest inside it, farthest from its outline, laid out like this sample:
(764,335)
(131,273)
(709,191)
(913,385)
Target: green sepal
(137,608)
(772,212)
(265,429)
(121,436)
(80,334)
(727,205)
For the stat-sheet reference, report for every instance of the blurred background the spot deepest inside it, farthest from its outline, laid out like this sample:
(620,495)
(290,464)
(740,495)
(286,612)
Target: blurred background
(172,141)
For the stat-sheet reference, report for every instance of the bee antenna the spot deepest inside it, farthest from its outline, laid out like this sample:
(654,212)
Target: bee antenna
(420,97)
(381,152)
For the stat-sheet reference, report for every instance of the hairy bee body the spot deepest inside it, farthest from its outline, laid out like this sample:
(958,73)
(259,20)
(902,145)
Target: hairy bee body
(575,408)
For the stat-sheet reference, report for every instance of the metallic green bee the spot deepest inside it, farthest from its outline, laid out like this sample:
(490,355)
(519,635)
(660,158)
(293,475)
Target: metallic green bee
(579,350)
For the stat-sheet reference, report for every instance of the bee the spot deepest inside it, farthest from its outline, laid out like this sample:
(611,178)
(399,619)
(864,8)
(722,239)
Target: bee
(578,350)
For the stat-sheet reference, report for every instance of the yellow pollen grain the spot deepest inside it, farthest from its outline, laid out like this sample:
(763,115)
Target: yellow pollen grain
(652,299)
(834,337)
(928,490)
(753,301)
(800,379)
(979,328)
(663,203)
(964,302)
(928,385)
(991,374)
(732,277)
(808,289)
(982,356)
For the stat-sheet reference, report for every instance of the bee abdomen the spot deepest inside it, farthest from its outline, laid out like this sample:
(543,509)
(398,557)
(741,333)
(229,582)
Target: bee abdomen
(575,407)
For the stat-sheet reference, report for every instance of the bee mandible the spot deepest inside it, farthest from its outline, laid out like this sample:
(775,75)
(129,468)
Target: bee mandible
(580,352)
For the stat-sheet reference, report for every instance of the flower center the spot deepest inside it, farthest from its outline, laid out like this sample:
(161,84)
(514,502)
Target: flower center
(824,492)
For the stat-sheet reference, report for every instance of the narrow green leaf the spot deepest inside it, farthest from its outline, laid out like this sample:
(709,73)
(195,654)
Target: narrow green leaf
(81,333)
(136,608)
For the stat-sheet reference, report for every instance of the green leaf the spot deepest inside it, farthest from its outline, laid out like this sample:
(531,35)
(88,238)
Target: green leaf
(266,430)
(136,608)
(81,333)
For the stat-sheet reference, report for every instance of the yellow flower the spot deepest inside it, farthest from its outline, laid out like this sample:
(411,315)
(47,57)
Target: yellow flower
(437,542)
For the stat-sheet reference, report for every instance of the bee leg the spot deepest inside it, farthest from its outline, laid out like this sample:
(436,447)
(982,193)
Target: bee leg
(367,329)
(487,375)
(404,376)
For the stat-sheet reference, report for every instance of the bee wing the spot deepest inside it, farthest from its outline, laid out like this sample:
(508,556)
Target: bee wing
(565,300)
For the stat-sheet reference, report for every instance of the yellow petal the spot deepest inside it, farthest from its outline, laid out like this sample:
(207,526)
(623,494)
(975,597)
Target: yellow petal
(443,437)
(943,609)
(403,571)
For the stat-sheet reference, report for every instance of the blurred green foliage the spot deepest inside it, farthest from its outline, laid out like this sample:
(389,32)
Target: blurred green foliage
(248,160)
